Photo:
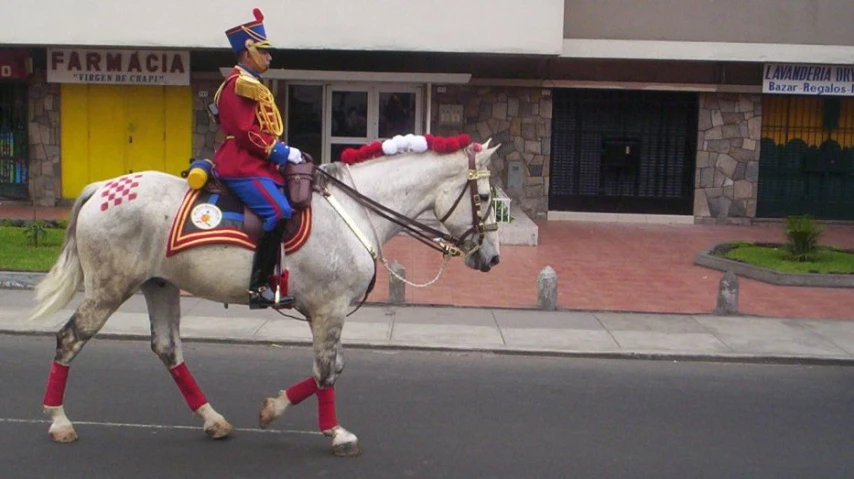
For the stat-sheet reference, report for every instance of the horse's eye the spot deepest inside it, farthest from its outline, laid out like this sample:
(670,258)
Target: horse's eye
(484,198)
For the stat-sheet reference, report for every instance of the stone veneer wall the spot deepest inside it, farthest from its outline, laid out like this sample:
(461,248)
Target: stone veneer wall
(727,173)
(44,135)
(519,119)
(206,134)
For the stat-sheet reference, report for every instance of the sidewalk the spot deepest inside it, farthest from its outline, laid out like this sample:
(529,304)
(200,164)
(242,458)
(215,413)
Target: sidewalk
(623,267)
(502,331)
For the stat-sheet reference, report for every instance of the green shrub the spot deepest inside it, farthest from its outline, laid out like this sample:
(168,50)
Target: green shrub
(803,234)
(36,232)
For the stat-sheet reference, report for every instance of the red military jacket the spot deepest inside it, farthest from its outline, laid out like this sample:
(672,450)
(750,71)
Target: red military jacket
(252,124)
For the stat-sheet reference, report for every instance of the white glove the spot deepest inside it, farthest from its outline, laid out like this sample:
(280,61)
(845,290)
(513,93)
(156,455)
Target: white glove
(295,156)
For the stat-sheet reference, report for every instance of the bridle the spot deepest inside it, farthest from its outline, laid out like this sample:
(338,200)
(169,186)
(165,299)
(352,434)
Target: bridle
(443,242)
(478,220)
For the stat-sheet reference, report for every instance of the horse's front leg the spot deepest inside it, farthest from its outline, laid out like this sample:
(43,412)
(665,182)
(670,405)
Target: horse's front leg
(328,364)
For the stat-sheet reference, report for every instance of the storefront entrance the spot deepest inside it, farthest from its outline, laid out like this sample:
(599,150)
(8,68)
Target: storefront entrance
(14,142)
(14,163)
(111,130)
(807,157)
(325,118)
(623,151)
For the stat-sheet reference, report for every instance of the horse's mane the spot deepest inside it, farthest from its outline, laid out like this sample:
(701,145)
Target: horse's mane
(336,170)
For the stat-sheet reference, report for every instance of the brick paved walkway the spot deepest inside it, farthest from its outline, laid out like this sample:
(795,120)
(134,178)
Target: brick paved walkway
(622,267)
(604,266)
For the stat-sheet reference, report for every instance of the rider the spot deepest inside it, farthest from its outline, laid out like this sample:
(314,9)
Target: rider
(248,160)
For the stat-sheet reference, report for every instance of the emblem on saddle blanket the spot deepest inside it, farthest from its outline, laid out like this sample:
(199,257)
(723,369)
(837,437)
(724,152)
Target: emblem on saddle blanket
(206,218)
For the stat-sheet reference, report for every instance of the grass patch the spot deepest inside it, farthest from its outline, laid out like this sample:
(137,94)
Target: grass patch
(17,255)
(824,260)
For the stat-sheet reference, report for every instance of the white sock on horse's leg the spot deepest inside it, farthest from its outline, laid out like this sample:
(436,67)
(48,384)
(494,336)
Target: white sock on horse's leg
(273,408)
(215,424)
(61,429)
(344,442)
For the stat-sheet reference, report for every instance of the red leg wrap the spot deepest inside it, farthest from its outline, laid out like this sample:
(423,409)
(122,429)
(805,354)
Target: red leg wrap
(192,394)
(55,390)
(301,391)
(326,409)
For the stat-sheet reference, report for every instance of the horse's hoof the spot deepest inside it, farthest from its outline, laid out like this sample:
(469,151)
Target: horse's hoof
(219,430)
(344,442)
(63,434)
(271,410)
(347,449)
(61,429)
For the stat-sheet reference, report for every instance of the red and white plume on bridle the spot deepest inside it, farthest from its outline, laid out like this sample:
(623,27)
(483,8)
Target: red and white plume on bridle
(404,144)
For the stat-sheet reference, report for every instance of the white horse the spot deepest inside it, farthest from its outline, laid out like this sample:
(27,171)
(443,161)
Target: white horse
(118,250)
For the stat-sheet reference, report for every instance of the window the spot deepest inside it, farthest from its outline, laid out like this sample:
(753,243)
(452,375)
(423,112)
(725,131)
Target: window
(14,167)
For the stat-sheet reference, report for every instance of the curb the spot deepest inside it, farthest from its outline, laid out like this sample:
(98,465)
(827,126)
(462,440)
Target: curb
(707,259)
(547,353)
(19,280)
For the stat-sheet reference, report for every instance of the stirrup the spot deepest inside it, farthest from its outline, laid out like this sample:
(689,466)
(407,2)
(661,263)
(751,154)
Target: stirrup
(265,298)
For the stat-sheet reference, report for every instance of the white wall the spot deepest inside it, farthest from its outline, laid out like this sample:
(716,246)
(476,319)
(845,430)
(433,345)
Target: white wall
(498,26)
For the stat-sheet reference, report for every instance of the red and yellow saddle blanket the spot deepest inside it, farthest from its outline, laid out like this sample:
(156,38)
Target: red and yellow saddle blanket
(206,218)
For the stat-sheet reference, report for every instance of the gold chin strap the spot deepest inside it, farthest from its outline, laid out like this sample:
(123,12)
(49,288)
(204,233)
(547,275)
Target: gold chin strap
(256,57)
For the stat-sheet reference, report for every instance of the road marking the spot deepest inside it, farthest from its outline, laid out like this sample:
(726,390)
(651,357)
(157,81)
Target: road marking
(159,426)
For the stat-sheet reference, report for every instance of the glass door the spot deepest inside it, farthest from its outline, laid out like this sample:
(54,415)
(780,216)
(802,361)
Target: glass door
(351,118)
(325,119)
(358,115)
(398,110)
(304,118)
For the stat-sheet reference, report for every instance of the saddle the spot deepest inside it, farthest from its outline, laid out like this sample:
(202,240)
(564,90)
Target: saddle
(299,185)
(213,214)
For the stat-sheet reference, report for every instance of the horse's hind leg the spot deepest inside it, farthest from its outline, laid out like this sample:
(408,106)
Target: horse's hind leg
(84,324)
(164,310)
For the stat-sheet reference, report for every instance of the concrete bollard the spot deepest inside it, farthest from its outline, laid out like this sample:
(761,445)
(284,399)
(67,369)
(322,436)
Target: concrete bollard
(728,294)
(396,287)
(547,289)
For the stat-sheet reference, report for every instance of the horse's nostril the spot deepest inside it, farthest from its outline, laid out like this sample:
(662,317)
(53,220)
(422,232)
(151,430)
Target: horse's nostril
(495,260)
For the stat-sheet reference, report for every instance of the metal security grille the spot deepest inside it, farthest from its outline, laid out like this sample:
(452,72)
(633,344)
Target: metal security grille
(806,163)
(14,167)
(623,151)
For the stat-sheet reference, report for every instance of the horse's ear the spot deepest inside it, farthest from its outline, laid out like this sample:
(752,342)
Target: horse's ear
(486,143)
(485,156)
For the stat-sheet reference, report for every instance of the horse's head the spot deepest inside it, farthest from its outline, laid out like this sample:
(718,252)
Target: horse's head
(464,206)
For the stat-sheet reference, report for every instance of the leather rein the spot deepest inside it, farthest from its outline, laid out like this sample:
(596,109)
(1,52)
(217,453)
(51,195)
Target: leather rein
(434,238)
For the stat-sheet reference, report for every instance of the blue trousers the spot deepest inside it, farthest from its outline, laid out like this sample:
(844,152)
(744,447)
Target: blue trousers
(262,196)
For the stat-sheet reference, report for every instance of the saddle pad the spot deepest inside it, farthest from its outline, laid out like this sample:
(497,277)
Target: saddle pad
(206,218)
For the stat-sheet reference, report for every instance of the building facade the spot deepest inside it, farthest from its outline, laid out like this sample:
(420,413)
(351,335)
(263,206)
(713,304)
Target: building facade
(674,110)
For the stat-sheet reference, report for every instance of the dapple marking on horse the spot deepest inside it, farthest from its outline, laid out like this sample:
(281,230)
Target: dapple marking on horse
(121,250)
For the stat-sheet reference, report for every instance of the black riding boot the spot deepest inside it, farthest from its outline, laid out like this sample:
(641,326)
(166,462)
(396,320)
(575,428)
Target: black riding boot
(266,255)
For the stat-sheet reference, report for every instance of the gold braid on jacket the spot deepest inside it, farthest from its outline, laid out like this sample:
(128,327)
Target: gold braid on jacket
(269,118)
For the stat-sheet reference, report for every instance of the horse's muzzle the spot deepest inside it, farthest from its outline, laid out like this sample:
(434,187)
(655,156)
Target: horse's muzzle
(485,266)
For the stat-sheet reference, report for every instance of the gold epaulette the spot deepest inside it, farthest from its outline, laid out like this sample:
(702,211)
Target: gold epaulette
(249,87)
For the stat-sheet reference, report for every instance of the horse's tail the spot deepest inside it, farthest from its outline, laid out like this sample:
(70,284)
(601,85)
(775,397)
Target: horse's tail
(66,275)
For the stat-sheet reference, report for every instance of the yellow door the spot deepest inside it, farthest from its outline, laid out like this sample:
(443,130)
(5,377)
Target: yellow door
(105,133)
(145,122)
(178,129)
(74,139)
(110,130)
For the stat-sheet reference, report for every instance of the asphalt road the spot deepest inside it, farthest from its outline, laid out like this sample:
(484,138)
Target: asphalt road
(431,415)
